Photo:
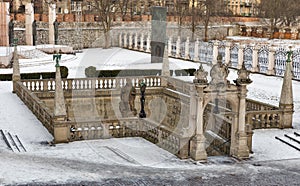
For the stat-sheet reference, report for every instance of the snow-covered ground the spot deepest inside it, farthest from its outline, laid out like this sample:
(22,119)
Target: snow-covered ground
(96,160)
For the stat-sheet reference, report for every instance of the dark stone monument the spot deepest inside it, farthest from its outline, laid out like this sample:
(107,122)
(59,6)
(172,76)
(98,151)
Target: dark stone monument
(34,32)
(55,24)
(11,26)
(158,34)
(142,89)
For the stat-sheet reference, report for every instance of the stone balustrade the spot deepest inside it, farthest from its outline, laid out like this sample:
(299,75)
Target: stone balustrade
(37,107)
(252,105)
(264,119)
(46,85)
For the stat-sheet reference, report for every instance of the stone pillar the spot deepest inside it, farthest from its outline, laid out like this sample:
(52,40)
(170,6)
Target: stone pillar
(29,18)
(240,56)
(241,137)
(52,17)
(286,103)
(187,49)
(215,52)
(16,68)
(125,40)
(120,40)
(196,52)
(255,59)
(142,42)
(198,150)
(4,21)
(165,67)
(242,149)
(271,65)
(178,42)
(61,131)
(130,41)
(170,46)
(136,41)
(148,44)
(227,53)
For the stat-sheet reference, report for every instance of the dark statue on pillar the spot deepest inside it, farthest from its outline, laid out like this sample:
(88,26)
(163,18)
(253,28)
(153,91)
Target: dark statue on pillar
(55,24)
(142,89)
(34,32)
(128,94)
(11,26)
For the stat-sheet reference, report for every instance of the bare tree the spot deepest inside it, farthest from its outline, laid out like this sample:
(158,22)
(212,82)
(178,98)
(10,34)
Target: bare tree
(106,11)
(279,12)
(212,8)
(123,8)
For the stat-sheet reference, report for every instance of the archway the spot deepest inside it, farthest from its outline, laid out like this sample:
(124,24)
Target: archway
(218,124)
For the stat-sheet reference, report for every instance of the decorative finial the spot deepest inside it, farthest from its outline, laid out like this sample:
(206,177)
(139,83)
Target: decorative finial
(56,57)
(243,76)
(200,76)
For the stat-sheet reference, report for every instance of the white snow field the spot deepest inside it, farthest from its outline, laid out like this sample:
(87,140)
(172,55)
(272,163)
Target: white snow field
(97,160)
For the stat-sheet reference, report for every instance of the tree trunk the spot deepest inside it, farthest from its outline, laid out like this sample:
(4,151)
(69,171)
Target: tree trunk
(107,43)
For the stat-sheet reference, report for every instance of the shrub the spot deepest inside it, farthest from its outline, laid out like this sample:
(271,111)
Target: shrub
(90,71)
(64,71)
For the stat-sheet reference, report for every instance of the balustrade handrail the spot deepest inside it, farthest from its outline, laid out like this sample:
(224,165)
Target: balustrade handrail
(260,105)
(44,85)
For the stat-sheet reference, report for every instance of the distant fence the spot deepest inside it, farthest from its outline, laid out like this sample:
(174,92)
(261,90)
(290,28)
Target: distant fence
(257,57)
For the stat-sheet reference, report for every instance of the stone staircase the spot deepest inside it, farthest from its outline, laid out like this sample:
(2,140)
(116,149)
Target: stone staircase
(11,142)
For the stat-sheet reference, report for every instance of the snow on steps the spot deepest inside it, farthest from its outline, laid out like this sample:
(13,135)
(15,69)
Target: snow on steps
(13,142)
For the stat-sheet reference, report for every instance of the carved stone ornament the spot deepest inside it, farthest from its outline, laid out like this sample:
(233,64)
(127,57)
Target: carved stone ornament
(243,76)
(219,73)
(200,75)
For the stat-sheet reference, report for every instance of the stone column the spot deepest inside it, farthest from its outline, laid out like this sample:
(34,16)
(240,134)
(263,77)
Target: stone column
(227,53)
(136,41)
(61,131)
(215,52)
(241,138)
(255,59)
(4,21)
(120,40)
(142,42)
(130,41)
(187,48)
(165,66)
(196,52)
(286,103)
(148,44)
(29,18)
(125,40)
(170,46)
(240,56)
(52,17)
(271,65)
(198,150)
(16,68)
(178,42)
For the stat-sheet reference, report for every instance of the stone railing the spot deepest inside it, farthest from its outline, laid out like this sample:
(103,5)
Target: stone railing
(252,105)
(264,119)
(261,115)
(84,130)
(37,107)
(41,85)
(165,138)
